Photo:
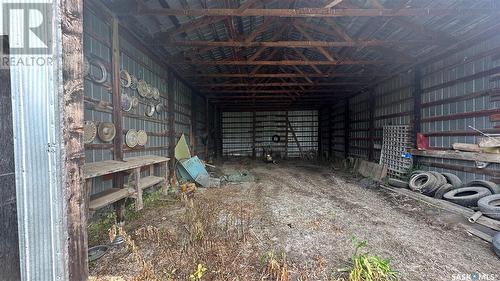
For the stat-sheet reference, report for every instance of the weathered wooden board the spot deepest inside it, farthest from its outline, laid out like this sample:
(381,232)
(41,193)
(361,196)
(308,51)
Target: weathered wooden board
(97,169)
(458,155)
(108,197)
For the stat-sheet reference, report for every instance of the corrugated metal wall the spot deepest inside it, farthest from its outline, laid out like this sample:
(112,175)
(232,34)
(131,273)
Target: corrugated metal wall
(454,96)
(244,131)
(393,105)
(97,42)
(359,125)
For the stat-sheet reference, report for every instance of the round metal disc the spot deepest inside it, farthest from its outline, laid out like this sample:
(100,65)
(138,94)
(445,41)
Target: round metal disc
(142,137)
(156,93)
(89,132)
(150,110)
(125,79)
(149,92)
(106,131)
(135,102)
(160,108)
(126,102)
(142,88)
(131,138)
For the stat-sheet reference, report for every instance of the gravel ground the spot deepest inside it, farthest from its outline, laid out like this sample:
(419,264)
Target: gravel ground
(310,212)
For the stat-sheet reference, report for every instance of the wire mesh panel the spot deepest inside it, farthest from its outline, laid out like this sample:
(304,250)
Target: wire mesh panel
(396,141)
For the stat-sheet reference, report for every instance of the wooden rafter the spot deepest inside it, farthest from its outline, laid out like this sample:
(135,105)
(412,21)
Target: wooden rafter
(288,62)
(322,50)
(268,91)
(285,75)
(318,12)
(276,84)
(299,44)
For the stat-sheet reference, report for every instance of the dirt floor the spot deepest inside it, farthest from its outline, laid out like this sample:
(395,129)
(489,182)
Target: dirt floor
(307,212)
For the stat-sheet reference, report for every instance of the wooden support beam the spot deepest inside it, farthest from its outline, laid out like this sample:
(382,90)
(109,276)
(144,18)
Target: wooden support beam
(332,3)
(347,126)
(271,91)
(171,122)
(285,75)
(277,84)
(322,50)
(72,256)
(304,58)
(317,12)
(276,35)
(417,102)
(118,181)
(371,125)
(310,43)
(288,62)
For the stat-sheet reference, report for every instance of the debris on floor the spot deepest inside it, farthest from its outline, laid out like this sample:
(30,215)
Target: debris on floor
(240,176)
(191,168)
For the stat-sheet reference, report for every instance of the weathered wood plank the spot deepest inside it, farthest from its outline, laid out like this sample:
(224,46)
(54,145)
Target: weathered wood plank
(71,20)
(97,169)
(108,197)
(458,155)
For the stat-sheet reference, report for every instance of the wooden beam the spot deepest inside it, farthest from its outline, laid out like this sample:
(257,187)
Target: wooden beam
(73,252)
(332,3)
(118,181)
(268,91)
(288,62)
(277,84)
(304,58)
(316,12)
(322,50)
(285,75)
(276,35)
(298,44)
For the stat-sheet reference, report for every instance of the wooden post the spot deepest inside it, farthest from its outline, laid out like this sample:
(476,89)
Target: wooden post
(371,125)
(136,175)
(207,128)
(286,135)
(417,102)
(320,134)
(192,133)
(346,128)
(171,121)
(72,119)
(117,115)
(330,142)
(254,148)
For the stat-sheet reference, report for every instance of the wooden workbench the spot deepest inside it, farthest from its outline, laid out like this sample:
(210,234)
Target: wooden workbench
(131,166)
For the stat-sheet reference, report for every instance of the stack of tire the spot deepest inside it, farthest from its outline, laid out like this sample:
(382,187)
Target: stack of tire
(434,184)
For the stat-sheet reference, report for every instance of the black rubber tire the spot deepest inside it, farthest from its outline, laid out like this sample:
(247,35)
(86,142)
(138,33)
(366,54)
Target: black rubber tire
(469,200)
(422,181)
(397,183)
(453,180)
(442,190)
(490,206)
(276,138)
(493,187)
(496,244)
(441,180)
(416,172)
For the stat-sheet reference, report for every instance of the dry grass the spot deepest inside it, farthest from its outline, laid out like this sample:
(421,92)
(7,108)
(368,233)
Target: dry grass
(210,241)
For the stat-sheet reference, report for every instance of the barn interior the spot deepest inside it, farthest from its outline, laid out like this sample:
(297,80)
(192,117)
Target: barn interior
(304,123)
